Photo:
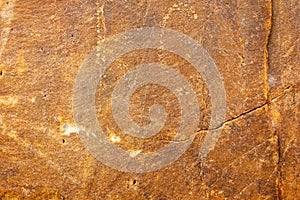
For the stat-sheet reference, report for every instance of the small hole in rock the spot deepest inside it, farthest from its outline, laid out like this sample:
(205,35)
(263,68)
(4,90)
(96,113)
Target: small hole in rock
(134,182)
(63,141)
(1,72)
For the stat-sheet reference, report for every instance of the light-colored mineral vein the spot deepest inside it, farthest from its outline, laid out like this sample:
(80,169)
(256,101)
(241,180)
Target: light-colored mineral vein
(27,144)
(239,158)
(7,15)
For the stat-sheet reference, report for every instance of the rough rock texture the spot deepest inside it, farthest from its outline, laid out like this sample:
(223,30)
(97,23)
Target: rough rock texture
(284,71)
(255,45)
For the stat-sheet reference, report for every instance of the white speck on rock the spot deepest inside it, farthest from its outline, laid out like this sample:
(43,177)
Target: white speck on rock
(115,139)
(70,129)
(134,153)
(271,80)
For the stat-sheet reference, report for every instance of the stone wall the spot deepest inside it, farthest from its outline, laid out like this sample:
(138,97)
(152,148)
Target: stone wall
(254,45)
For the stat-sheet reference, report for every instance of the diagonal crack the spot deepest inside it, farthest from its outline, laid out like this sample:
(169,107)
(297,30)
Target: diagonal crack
(267,103)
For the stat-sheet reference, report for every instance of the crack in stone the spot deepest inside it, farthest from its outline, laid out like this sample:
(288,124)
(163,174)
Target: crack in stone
(268,102)
(279,168)
(265,104)
(276,133)
(266,52)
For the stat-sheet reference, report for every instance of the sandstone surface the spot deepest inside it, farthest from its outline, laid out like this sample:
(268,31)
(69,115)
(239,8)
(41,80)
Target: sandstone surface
(254,44)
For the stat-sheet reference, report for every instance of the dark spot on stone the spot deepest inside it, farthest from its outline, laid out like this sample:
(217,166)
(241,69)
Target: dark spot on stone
(146,195)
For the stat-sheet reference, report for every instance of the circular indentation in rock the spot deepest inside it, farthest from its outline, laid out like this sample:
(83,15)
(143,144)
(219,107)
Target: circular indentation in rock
(92,70)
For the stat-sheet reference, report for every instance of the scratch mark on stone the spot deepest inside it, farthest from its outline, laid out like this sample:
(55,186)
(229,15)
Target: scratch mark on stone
(269,178)
(248,152)
(7,15)
(27,144)
(291,49)
(289,145)
(239,158)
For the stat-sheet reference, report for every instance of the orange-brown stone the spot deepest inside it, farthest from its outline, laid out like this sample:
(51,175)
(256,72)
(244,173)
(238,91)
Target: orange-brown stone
(254,44)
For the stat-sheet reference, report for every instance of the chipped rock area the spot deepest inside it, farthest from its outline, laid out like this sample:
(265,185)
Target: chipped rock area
(255,45)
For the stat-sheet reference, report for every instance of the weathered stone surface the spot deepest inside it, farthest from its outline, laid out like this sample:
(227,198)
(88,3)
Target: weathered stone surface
(43,44)
(285,119)
(284,71)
